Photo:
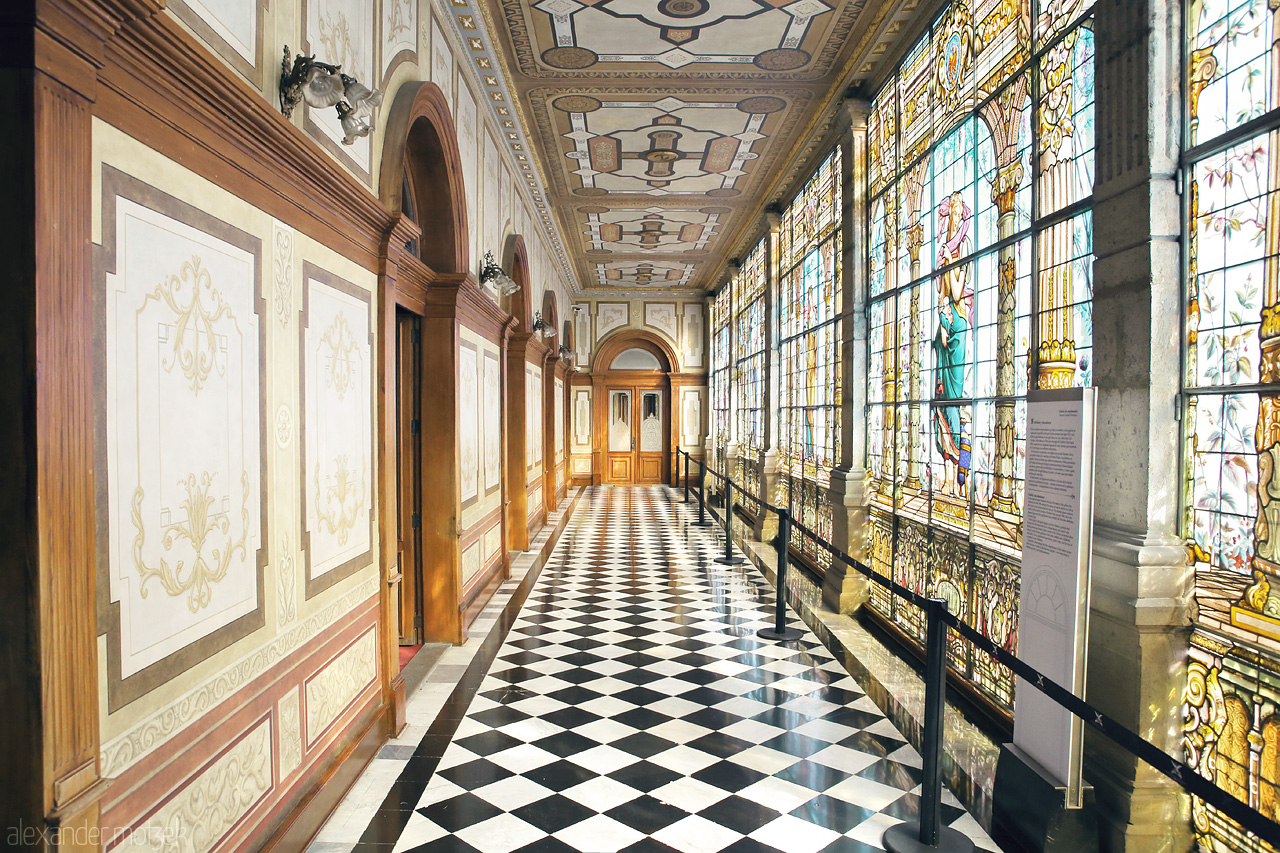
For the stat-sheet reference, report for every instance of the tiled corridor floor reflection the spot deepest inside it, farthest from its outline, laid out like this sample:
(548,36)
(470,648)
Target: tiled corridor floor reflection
(632,707)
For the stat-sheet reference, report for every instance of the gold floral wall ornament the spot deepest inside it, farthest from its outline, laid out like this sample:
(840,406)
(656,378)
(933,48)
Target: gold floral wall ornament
(341,356)
(202,527)
(339,506)
(198,305)
(399,14)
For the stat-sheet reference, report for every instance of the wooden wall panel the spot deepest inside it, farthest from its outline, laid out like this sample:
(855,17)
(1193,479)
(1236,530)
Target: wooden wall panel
(64,403)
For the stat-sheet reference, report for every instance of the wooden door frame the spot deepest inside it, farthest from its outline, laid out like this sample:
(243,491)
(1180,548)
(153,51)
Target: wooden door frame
(637,381)
(408,577)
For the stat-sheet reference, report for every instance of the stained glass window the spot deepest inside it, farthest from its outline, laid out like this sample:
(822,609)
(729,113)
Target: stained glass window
(809,348)
(750,351)
(1231,382)
(980,184)
(720,375)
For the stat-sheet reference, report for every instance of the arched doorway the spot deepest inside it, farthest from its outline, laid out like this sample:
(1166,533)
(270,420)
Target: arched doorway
(523,476)
(421,180)
(632,435)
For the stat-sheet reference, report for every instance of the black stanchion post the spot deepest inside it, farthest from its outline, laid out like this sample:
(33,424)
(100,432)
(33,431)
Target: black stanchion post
(929,833)
(686,476)
(702,495)
(780,632)
(728,559)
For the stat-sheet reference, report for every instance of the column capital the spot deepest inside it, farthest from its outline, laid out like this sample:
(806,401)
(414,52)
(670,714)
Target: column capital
(856,110)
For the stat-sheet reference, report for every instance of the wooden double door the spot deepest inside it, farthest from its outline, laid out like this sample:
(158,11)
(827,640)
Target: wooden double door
(636,429)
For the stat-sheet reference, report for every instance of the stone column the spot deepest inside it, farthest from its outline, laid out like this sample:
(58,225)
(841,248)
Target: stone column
(845,591)
(1141,580)
(767,524)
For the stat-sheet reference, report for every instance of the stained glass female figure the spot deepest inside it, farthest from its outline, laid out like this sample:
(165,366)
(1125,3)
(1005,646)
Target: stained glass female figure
(955,308)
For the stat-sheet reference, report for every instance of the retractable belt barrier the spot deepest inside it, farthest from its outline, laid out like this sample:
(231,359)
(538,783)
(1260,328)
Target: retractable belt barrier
(937,615)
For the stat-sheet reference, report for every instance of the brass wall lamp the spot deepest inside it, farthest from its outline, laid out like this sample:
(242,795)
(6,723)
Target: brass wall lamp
(540,325)
(493,276)
(321,85)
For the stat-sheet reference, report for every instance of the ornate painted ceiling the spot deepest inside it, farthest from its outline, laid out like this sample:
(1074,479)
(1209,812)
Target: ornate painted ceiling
(661,128)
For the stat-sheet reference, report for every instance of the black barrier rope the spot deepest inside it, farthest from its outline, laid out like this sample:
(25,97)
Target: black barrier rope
(1187,777)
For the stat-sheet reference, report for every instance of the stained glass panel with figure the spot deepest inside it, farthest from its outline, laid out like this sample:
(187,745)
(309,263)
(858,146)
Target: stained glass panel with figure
(982,296)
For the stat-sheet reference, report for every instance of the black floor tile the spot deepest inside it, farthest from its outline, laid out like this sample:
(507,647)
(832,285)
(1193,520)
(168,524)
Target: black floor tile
(645,814)
(457,813)
(739,814)
(554,813)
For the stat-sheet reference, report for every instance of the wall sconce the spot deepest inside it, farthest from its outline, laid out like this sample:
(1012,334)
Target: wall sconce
(578,309)
(321,85)
(565,352)
(492,275)
(540,325)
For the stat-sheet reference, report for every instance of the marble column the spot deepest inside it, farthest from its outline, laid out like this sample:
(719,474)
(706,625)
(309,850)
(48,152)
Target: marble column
(844,591)
(767,523)
(1141,580)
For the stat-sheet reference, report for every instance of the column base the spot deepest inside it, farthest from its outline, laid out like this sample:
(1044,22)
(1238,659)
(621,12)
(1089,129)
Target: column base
(844,590)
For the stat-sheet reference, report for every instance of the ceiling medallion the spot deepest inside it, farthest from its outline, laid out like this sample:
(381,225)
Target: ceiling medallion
(683,8)
(782,59)
(570,58)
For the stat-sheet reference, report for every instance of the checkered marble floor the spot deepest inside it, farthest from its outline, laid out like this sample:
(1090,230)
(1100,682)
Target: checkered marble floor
(632,708)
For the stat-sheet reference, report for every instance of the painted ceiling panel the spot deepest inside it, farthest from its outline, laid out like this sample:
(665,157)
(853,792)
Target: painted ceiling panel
(661,126)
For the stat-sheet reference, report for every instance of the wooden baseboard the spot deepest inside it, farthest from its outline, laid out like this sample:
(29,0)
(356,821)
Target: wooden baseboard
(480,593)
(330,785)
(397,718)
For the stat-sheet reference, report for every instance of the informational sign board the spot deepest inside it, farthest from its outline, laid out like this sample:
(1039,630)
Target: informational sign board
(1057,542)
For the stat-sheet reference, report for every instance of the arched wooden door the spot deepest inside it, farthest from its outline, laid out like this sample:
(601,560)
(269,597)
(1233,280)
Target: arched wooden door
(632,439)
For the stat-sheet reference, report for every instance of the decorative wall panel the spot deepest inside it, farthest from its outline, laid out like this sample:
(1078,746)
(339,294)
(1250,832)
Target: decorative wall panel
(582,337)
(581,420)
(533,420)
(441,60)
(334,688)
(465,123)
(399,33)
(213,803)
(492,542)
(289,726)
(610,316)
(340,32)
(492,423)
(492,234)
(558,403)
(694,341)
(232,28)
(182,428)
(337,402)
(162,723)
(691,416)
(468,422)
(661,316)
(470,563)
